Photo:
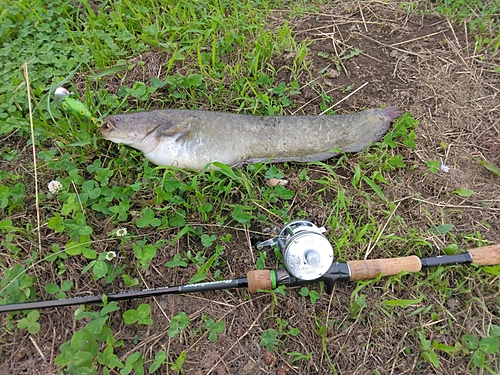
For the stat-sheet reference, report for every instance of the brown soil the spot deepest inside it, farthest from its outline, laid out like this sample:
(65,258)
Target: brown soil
(429,68)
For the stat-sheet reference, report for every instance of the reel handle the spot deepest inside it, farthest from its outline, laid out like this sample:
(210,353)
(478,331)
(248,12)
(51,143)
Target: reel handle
(486,255)
(370,269)
(259,279)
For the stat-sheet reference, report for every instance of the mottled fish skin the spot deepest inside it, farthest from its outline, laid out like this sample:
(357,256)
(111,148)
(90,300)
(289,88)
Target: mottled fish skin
(191,139)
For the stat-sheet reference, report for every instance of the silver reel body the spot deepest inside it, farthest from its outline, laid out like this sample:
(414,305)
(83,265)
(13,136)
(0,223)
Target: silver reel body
(308,254)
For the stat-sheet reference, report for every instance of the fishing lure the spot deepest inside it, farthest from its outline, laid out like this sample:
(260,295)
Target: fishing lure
(72,106)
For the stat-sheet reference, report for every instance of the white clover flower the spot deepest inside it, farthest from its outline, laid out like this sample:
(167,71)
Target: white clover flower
(55,187)
(445,168)
(110,255)
(121,232)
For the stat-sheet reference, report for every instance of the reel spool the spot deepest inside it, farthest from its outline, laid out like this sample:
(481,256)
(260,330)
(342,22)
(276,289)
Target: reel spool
(307,253)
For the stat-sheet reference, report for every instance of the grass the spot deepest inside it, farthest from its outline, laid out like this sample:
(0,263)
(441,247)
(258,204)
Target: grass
(115,214)
(481,18)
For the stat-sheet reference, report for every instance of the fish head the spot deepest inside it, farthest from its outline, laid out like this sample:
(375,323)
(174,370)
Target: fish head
(139,130)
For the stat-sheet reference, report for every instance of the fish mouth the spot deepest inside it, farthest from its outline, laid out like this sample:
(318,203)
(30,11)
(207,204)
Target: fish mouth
(109,124)
(107,127)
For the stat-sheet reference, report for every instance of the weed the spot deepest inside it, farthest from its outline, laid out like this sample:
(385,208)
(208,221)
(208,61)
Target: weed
(214,328)
(11,197)
(16,286)
(322,331)
(260,262)
(433,165)
(145,252)
(326,103)
(134,362)
(177,365)
(489,166)
(139,316)
(104,268)
(441,229)
(82,352)
(296,356)
(428,352)
(176,262)
(312,294)
(240,215)
(462,192)
(358,303)
(381,157)
(203,266)
(147,219)
(483,350)
(269,340)
(30,322)
(403,131)
(273,338)
(59,291)
(11,232)
(160,359)
(178,323)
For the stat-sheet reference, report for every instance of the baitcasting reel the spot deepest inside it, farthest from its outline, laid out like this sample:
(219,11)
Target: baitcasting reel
(308,254)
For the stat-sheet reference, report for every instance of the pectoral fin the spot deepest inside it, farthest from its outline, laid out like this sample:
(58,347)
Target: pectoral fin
(179,130)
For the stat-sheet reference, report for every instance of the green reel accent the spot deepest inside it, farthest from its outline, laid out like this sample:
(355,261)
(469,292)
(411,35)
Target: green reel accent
(274,282)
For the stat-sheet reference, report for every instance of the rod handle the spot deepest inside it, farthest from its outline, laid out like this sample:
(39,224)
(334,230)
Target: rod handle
(486,255)
(259,279)
(369,269)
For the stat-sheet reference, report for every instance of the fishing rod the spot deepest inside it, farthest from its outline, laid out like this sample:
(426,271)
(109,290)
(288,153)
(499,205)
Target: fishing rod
(308,258)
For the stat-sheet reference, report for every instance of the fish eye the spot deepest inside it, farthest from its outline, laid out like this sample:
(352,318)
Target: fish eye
(117,119)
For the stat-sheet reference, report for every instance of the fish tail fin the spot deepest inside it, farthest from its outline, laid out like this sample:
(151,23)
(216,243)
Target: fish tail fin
(372,125)
(389,114)
(392,112)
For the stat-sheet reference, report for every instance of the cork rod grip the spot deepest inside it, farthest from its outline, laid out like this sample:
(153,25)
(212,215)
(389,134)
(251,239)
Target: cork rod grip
(369,269)
(486,255)
(259,279)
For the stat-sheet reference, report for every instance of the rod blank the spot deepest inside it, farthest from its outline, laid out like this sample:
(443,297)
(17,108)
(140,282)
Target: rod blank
(188,288)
